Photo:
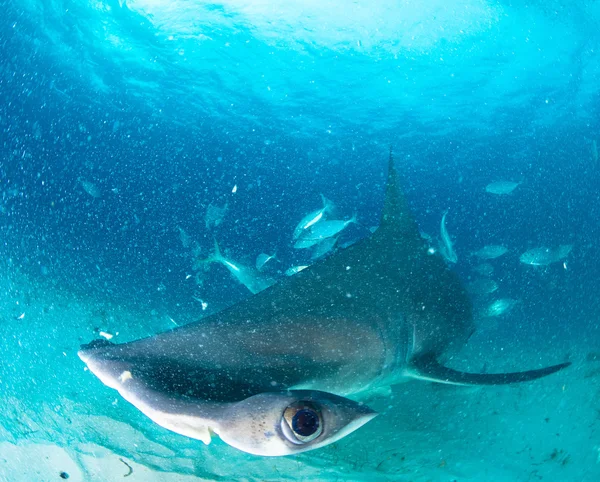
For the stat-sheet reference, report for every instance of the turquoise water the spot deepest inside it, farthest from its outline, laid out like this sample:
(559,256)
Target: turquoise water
(126,127)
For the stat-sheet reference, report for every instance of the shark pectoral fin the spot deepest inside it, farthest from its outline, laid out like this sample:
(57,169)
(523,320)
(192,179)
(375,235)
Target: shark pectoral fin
(426,367)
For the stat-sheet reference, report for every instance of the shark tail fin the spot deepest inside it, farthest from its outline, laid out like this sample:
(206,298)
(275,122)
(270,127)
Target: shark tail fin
(396,219)
(426,367)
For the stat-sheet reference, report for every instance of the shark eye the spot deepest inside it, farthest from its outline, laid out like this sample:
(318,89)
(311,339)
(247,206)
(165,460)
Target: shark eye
(302,423)
(306,422)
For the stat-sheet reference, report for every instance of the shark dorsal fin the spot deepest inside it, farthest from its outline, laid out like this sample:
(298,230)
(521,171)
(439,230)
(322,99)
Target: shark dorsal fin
(397,221)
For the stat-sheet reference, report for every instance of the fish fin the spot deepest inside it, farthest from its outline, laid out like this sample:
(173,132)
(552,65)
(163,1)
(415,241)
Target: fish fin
(397,222)
(426,367)
(215,257)
(327,204)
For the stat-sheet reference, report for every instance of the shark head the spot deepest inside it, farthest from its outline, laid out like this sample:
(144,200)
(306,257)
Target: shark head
(285,423)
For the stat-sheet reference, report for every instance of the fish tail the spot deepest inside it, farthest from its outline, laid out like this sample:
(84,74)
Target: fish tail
(564,250)
(215,257)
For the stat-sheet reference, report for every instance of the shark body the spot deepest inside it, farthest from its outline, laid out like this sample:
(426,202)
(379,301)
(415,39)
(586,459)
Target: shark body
(370,315)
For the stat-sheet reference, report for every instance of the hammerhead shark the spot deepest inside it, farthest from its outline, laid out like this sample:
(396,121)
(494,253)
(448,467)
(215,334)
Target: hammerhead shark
(271,374)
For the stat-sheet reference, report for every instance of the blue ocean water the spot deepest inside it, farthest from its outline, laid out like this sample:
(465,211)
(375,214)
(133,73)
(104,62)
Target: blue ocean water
(123,121)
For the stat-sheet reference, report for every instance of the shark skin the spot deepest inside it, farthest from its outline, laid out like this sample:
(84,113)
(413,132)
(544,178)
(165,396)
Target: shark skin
(367,317)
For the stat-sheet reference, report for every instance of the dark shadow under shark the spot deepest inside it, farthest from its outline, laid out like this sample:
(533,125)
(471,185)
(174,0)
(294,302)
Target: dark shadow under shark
(368,316)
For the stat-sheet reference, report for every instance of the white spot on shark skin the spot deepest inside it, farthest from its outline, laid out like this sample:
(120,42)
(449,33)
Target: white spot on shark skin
(126,375)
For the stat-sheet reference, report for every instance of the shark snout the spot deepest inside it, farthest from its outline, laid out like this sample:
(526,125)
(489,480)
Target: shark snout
(112,372)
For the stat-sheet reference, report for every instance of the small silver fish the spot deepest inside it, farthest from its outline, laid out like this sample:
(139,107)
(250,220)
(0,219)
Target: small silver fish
(245,275)
(482,286)
(501,187)
(446,248)
(323,248)
(544,256)
(484,269)
(313,218)
(501,306)
(321,231)
(186,241)
(491,251)
(294,269)
(214,215)
(90,188)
